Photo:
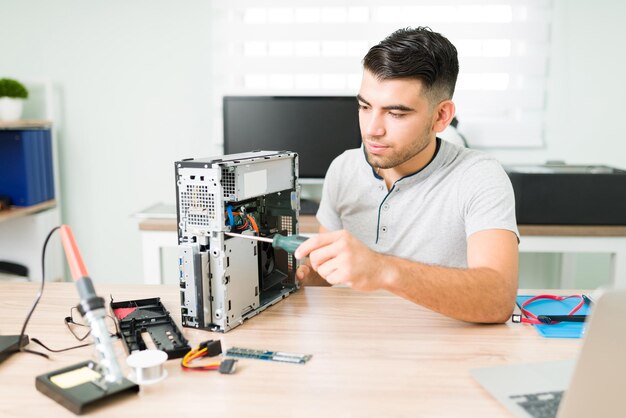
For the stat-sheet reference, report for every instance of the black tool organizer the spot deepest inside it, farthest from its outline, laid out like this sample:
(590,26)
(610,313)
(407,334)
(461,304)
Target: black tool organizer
(149,315)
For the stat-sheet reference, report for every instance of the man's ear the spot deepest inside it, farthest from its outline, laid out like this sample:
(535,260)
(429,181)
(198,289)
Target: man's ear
(443,114)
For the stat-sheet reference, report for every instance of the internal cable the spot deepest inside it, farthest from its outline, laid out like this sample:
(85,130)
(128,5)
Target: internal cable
(254,224)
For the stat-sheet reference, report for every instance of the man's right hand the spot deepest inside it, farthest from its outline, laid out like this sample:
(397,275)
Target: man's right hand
(309,277)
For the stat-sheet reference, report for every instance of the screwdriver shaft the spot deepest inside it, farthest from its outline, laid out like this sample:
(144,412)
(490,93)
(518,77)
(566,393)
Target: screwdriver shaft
(252,237)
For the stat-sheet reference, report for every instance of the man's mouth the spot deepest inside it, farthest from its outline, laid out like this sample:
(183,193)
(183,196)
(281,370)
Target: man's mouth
(374,148)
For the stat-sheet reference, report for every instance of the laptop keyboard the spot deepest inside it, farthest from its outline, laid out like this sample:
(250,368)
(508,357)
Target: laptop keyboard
(539,405)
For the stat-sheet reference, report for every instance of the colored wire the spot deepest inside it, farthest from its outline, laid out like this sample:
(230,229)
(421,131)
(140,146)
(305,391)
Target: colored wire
(231,219)
(243,226)
(254,225)
(246,219)
(195,354)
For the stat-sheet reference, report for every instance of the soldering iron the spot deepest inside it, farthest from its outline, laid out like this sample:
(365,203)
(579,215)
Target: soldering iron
(91,307)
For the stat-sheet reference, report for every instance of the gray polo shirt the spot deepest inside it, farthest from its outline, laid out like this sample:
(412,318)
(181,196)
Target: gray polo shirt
(426,216)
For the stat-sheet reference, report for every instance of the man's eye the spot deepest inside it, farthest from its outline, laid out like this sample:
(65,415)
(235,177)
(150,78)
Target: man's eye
(397,115)
(363,107)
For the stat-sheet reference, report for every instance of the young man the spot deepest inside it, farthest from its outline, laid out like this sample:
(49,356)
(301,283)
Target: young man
(409,213)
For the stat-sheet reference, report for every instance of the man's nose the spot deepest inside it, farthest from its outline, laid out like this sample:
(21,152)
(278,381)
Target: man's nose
(374,126)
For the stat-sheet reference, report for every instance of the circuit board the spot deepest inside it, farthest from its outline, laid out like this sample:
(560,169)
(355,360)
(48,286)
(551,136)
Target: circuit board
(268,355)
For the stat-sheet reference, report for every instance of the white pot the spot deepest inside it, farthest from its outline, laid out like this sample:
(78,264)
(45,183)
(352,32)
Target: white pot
(10,108)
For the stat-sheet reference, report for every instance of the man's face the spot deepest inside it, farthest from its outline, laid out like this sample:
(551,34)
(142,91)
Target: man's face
(396,121)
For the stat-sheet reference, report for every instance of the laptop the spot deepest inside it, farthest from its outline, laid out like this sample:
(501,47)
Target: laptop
(593,385)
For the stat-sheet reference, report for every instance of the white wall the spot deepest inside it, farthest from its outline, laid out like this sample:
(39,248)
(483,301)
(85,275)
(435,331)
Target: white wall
(134,83)
(134,78)
(586,88)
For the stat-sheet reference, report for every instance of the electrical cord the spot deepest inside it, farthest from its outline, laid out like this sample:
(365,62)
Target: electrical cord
(35,340)
(545,319)
(70,320)
(32,309)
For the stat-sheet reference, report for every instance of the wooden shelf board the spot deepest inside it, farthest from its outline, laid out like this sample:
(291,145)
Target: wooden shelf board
(25,124)
(19,211)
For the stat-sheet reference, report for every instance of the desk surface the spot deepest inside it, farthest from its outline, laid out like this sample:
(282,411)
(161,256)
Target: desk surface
(374,354)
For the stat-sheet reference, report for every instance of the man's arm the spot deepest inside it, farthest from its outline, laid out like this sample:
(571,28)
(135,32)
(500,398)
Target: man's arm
(484,292)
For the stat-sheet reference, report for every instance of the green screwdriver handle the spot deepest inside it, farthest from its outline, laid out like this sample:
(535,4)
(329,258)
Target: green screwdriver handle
(289,243)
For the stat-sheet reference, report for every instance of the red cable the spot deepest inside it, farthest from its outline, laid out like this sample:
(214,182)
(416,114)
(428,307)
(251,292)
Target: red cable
(532,318)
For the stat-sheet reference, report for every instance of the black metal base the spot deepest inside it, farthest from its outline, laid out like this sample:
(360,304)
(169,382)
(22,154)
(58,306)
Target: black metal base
(78,395)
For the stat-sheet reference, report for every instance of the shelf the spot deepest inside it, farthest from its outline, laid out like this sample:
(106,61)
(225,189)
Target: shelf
(17,211)
(25,124)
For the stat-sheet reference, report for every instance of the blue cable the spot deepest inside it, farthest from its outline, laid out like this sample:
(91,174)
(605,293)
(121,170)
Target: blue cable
(231,218)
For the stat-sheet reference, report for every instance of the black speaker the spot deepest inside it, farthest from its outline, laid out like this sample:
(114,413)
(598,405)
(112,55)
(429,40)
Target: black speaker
(569,194)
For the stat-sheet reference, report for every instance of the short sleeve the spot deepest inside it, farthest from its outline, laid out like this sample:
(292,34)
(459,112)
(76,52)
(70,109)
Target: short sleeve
(487,199)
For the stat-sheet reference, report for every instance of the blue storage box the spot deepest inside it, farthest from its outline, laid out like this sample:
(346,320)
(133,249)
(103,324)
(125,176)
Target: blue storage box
(26,172)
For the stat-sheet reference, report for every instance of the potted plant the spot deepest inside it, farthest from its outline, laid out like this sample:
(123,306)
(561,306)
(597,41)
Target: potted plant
(12,95)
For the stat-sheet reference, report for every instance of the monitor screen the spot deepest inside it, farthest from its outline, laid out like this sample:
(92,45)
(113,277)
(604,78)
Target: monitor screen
(318,128)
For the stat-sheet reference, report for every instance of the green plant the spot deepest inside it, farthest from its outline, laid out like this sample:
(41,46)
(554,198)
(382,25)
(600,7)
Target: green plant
(12,88)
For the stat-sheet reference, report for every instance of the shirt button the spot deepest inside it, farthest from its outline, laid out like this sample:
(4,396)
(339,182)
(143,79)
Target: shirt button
(383,229)
(386,206)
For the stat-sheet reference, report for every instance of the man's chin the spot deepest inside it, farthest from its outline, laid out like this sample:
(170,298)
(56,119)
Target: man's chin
(376,161)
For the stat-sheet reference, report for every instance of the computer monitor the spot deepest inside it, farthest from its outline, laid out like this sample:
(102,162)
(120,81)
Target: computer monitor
(318,128)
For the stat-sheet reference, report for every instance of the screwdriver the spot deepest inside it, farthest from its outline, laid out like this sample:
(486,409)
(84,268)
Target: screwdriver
(287,243)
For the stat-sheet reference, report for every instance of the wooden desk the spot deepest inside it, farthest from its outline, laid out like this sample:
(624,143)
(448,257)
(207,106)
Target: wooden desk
(374,355)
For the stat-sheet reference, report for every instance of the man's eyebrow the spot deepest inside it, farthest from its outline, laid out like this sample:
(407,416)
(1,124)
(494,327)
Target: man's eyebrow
(399,107)
(361,99)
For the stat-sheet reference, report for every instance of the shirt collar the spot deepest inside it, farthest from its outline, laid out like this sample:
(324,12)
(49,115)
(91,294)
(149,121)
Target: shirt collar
(431,166)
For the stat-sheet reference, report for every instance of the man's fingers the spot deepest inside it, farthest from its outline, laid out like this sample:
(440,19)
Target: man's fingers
(315,242)
(329,269)
(302,272)
(323,255)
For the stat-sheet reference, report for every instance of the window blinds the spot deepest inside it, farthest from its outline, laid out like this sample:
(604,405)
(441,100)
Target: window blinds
(315,47)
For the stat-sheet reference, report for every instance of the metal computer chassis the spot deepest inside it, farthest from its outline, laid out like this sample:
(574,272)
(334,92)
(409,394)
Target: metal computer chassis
(226,280)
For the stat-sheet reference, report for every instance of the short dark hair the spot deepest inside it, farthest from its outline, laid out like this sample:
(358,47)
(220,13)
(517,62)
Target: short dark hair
(417,53)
